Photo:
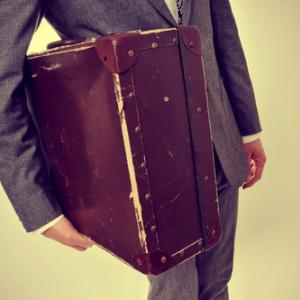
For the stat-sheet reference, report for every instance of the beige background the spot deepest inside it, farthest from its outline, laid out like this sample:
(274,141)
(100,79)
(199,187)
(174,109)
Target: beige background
(267,245)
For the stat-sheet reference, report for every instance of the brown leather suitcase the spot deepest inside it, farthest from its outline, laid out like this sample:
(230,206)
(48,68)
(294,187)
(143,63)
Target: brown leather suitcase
(124,126)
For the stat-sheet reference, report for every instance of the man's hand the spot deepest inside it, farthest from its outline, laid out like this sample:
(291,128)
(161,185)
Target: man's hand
(257,159)
(65,233)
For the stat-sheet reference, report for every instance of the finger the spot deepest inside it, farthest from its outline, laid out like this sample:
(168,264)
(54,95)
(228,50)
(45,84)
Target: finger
(251,172)
(249,183)
(78,248)
(82,241)
(257,175)
(88,242)
(259,169)
(248,179)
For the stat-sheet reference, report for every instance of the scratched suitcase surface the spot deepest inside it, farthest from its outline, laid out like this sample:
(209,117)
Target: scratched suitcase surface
(124,127)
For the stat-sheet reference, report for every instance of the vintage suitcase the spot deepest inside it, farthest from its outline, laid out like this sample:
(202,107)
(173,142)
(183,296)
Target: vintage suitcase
(124,126)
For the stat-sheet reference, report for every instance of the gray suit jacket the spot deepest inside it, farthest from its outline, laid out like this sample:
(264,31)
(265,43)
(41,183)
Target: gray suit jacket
(231,99)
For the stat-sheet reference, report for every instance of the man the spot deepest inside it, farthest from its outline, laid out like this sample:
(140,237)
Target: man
(234,120)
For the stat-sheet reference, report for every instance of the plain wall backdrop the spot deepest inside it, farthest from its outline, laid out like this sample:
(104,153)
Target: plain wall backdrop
(267,257)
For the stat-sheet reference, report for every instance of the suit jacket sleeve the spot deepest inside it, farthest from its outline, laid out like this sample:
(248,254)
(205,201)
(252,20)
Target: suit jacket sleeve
(233,67)
(23,171)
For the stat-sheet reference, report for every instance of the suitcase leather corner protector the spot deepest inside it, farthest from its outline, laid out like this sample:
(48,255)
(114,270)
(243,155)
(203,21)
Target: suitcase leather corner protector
(124,126)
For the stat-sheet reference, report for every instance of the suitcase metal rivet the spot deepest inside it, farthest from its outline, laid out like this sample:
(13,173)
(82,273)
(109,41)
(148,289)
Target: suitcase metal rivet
(206,178)
(153,228)
(143,164)
(130,52)
(154,45)
(131,94)
(137,129)
(213,232)
(191,44)
(174,39)
(166,98)
(198,109)
(163,259)
(139,262)
(147,196)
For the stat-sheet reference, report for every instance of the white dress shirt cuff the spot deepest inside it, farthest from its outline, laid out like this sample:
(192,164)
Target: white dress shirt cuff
(48,225)
(250,138)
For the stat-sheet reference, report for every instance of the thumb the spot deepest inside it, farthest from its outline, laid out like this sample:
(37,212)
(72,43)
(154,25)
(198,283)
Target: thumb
(82,241)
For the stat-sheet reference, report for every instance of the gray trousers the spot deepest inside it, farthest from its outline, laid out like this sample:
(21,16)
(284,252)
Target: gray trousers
(205,276)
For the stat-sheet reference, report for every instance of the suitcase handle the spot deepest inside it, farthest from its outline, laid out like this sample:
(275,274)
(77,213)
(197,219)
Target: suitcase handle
(68,42)
(63,43)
